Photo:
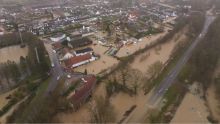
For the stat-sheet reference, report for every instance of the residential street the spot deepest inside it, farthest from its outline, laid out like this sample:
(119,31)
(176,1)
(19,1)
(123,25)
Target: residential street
(56,71)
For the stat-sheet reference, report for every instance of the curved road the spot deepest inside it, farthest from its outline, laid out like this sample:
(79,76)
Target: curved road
(172,75)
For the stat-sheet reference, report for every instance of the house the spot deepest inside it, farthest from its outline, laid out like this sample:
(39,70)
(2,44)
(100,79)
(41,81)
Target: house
(58,37)
(83,51)
(83,91)
(79,42)
(57,46)
(102,42)
(66,54)
(78,61)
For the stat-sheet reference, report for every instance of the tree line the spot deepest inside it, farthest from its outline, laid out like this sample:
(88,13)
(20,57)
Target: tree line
(11,72)
(205,58)
(14,39)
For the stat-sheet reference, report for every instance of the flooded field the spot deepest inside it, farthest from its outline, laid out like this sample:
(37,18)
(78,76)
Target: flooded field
(12,53)
(3,100)
(161,53)
(193,113)
(213,102)
(128,50)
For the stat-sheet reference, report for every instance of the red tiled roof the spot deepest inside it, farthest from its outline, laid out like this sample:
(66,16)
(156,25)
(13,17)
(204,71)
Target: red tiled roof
(85,90)
(65,50)
(77,59)
(57,45)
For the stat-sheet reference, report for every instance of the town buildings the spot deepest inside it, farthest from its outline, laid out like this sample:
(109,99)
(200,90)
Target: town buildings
(78,61)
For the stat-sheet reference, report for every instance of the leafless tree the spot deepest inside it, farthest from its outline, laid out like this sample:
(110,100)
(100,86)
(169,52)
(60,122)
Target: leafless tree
(154,69)
(102,111)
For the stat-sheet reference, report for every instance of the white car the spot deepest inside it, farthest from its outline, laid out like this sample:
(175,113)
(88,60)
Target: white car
(68,76)
(58,77)
(52,65)
(160,90)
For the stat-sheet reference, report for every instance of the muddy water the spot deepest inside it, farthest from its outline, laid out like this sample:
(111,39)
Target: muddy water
(12,53)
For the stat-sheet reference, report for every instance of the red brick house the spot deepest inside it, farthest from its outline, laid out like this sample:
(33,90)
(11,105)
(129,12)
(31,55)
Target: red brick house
(83,91)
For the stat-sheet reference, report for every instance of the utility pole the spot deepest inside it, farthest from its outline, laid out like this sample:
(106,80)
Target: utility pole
(38,60)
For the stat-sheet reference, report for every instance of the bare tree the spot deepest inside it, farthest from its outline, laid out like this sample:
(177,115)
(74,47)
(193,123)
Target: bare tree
(136,78)
(125,74)
(102,111)
(154,69)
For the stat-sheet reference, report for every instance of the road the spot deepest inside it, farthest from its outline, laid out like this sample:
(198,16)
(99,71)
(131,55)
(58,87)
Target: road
(172,75)
(55,71)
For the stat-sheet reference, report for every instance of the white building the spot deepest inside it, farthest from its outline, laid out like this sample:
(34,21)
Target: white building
(58,37)
(79,60)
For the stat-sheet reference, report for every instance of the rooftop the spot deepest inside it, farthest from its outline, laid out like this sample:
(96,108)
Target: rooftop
(77,59)
(88,82)
(88,49)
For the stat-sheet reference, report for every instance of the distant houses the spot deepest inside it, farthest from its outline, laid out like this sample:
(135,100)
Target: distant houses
(69,51)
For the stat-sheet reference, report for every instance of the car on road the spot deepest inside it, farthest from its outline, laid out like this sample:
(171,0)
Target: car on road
(68,76)
(52,65)
(58,77)
(160,90)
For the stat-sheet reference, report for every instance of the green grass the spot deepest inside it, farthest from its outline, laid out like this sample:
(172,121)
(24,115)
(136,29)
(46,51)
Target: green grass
(170,96)
(41,90)
(34,77)
(156,82)
(35,102)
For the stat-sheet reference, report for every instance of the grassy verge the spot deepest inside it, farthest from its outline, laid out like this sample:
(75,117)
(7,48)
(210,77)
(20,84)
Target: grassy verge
(8,106)
(172,99)
(25,88)
(34,102)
